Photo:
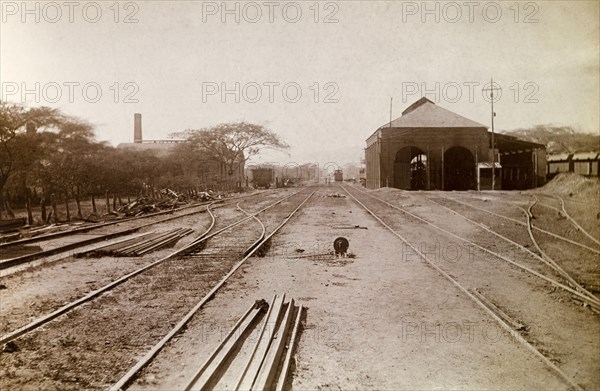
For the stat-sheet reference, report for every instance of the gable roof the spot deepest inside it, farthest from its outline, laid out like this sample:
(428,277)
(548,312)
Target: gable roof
(426,114)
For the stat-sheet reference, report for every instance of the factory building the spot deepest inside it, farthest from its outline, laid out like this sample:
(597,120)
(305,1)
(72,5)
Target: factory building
(209,173)
(431,148)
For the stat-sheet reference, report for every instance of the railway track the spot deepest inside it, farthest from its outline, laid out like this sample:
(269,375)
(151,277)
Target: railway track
(585,296)
(198,242)
(573,262)
(138,308)
(54,244)
(555,204)
(534,227)
(249,252)
(545,331)
(542,257)
(563,212)
(93,226)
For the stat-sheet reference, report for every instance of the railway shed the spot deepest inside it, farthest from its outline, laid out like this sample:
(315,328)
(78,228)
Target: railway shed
(431,148)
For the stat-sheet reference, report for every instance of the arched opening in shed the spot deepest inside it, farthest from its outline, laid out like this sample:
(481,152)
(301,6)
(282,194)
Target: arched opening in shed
(459,169)
(410,169)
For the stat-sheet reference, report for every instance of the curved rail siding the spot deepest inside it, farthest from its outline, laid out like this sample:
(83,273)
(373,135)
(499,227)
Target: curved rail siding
(475,299)
(149,356)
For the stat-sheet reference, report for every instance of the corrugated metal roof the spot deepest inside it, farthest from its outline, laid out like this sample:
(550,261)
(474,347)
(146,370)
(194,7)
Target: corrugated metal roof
(558,157)
(585,156)
(426,114)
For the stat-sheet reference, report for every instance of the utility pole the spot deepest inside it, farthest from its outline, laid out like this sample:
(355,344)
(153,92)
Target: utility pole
(391,101)
(491,89)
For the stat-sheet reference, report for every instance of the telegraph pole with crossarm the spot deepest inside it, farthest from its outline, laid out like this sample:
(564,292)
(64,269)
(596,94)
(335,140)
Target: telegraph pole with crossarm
(491,89)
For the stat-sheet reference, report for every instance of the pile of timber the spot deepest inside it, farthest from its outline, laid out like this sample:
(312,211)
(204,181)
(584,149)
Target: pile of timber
(140,245)
(164,200)
(146,205)
(257,352)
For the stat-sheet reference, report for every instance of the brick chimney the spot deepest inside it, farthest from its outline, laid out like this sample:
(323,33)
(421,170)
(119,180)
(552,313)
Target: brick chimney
(137,128)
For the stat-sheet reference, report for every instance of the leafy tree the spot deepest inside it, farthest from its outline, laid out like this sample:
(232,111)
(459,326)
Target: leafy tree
(231,144)
(17,143)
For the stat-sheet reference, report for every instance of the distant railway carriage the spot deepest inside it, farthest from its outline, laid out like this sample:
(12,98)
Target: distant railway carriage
(338,176)
(585,163)
(262,177)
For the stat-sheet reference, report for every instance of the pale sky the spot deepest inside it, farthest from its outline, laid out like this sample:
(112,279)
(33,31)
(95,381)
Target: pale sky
(175,53)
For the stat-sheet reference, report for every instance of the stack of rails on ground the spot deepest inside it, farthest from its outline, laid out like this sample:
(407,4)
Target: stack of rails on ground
(495,281)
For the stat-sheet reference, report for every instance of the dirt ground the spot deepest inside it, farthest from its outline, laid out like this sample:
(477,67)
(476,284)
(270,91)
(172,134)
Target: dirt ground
(380,319)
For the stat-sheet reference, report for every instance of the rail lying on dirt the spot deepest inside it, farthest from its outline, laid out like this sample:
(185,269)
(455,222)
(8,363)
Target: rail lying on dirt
(260,371)
(131,374)
(70,306)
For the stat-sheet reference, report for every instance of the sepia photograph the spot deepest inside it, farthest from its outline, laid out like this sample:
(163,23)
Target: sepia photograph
(299,195)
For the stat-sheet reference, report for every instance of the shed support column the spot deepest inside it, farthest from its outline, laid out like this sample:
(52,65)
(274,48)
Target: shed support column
(477,170)
(428,170)
(443,168)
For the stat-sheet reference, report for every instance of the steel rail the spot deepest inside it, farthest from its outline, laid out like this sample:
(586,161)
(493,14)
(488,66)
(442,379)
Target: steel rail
(262,339)
(595,251)
(587,299)
(288,357)
(215,360)
(556,267)
(74,304)
(563,212)
(264,229)
(491,313)
(87,228)
(549,262)
(568,216)
(195,243)
(149,356)
(7,263)
(70,306)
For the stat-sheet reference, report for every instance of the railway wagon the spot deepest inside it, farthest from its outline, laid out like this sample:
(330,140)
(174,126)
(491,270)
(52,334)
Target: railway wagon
(262,177)
(586,164)
(338,176)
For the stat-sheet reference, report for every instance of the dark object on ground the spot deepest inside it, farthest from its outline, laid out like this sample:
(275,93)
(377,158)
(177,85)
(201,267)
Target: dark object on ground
(10,347)
(340,245)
